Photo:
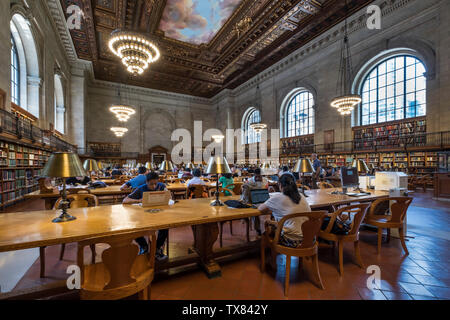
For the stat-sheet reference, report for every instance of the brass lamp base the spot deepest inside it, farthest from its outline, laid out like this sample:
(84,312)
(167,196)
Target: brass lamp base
(217,203)
(64,217)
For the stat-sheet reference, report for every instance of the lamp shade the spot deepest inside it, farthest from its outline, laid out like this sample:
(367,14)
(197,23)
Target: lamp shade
(166,165)
(90,165)
(304,166)
(63,165)
(190,165)
(265,165)
(100,165)
(360,165)
(149,165)
(218,165)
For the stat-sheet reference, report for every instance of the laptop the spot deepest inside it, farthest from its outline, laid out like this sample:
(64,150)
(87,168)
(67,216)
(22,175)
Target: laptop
(155,198)
(258,196)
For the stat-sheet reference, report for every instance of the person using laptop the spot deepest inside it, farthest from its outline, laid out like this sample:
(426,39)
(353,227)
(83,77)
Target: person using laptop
(258,181)
(136,182)
(288,201)
(152,184)
(196,179)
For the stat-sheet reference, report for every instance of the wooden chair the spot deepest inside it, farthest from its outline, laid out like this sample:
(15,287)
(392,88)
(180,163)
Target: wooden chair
(356,213)
(395,220)
(198,191)
(304,186)
(122,272)
(325,185)
(237,188)
(76,201)
(308,248)
(78,191)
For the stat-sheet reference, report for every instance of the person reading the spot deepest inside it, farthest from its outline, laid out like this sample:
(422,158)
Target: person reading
(152,184)
(196,179)
(226,179)
(136,182)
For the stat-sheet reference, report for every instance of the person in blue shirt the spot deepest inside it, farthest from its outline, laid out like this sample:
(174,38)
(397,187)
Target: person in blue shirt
(318,168)
(140,180)
(152,184)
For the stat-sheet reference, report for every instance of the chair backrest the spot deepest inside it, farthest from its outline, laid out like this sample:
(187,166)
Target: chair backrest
(237,188)
(78,190)
(119,259)
(325,185)
(356,213)
(303,186)
(310,228)
(79,201)
(197,191)
(398,208)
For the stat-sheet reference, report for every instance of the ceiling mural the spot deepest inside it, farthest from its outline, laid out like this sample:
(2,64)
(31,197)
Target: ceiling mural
(196,21)
(206,45)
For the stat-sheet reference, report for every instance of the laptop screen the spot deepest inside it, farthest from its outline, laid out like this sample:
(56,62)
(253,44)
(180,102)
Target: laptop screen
(258,196)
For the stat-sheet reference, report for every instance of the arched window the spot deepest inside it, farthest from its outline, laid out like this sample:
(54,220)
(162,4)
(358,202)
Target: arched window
(395,89)
(59,105)
(300,115)
(251,116)
(15,73)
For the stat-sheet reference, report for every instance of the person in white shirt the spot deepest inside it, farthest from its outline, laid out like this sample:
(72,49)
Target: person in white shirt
(258,181)
(288,201)
(196,179)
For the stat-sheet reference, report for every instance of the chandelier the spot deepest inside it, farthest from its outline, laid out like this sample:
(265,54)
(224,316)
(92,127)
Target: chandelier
(346,101)
(122,112)
(119,132)
(258,127)
(135,50)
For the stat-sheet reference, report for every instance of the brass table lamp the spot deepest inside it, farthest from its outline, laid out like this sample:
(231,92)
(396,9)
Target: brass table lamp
(304,166)
(361,167)
(63,165)
(217,165)
(190,165)
(90,165)
(166,165)
(149,165)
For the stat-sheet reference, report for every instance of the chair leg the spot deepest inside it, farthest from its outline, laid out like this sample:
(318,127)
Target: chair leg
(143,294)
(402,240)
(315,267)
(263,256)
(61,253)
(149,292)
(247,221)
(167,242)
(388,238)
(231,227)
(221,234)
(288,272)
(380,238)
(42,260)
(93,253)
(273,259)
(341,257)
(358,255)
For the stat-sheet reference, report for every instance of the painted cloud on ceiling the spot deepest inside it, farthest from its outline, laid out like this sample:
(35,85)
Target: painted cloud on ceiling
(196,21)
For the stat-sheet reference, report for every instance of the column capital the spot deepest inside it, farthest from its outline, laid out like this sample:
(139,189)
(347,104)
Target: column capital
(34,81)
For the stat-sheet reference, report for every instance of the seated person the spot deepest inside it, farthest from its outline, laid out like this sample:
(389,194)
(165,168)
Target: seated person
(196,179)
(187,174)
(136,182)
(258,180)
(152,184)
(180,173)
(287,202)
(226,179)
(108,172)
(116,172)
(78,181)
(285,170)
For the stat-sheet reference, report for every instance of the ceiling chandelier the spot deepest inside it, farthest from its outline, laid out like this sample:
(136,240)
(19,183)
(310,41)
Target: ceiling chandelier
(258,127)
(122,112)
(346,101)
(135,50)
(119,132)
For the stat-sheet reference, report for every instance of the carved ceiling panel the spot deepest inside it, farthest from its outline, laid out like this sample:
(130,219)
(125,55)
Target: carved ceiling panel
(252,35)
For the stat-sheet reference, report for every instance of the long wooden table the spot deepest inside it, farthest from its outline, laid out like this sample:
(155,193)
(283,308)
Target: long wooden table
(22,230)
(50,198)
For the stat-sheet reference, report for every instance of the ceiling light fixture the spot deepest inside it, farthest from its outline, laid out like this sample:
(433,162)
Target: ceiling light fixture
(119,132)
(258,127)
(122,112)
(346,101)
(136,50)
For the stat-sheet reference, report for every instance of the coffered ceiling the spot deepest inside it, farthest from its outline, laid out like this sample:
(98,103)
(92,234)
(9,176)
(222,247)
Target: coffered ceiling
(206,45)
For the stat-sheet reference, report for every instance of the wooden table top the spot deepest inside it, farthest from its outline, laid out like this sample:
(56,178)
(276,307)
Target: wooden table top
(110,190)
(22,230)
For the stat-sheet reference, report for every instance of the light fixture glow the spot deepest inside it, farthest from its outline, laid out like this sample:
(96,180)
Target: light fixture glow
(122,112)
(119,132)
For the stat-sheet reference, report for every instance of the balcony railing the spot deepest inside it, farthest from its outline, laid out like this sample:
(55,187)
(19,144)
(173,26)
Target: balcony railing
(24,129)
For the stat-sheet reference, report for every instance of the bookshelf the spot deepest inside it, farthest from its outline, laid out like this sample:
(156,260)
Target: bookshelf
(19,166)
(297,145)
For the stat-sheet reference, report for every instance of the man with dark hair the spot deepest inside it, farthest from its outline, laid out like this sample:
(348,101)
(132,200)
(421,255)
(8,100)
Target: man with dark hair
(187,174)
(152,184)
(136,182)
(285,170)
(258,180)
(116,172)
(196,179)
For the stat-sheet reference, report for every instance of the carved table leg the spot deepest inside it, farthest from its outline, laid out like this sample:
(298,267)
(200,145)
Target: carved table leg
(205,235)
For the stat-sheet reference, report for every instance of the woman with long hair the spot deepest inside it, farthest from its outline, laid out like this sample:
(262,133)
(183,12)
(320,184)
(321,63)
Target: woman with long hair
(288,201)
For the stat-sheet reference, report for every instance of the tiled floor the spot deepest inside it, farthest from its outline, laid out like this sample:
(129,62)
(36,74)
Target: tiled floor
(422,275)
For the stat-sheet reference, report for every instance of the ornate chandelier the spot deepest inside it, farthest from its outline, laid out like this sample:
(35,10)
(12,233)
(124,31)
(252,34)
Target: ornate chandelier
(135,50)
(122,112)
(346,101)
(119,132)
(258,127)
